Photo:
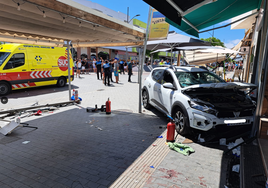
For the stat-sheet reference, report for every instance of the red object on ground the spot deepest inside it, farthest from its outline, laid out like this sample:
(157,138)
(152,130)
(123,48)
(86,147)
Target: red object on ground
(108,107)
(170,131)
(38,113)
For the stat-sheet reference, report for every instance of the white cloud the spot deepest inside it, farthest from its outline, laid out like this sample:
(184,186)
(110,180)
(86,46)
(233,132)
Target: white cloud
(232,43)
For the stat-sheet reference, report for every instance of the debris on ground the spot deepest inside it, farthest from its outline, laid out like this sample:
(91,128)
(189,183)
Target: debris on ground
(200,139)
(154,145)
(187,141)
(181,148)
(151,166)
(25,142)
(235,168)
(223,141)
(159,137)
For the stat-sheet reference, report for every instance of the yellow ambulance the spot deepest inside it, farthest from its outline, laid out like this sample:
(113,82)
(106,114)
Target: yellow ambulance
(24,66)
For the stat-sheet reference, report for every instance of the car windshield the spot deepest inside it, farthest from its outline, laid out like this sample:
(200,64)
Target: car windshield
(192,78)
(3,56)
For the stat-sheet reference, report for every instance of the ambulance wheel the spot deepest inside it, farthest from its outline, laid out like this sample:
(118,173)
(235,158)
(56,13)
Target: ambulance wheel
(61,82)
(4,88)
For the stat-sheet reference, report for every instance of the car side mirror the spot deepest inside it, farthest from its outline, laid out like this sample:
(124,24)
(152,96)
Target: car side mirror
(168,86)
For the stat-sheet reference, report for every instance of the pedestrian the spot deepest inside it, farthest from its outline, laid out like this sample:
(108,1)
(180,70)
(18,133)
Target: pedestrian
(106,70)
(167,62)
(83,66)
(129,70)
(121,66)
(112,69)
(161,62)
(116,68)
(78,65)
(94,65)
(98,65)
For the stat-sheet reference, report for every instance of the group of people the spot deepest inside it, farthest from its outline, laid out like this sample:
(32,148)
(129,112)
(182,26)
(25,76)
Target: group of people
(106,68)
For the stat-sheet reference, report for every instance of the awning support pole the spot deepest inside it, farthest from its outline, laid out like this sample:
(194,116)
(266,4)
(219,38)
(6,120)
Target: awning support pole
(143,57)
(69,71)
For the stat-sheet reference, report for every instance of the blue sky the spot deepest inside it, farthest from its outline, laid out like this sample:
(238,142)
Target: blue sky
(226,35)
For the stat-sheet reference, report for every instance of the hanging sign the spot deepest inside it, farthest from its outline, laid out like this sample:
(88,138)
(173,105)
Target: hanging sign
(159,27)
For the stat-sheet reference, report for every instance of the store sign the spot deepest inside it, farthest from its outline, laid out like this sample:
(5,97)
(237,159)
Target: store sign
(159,27)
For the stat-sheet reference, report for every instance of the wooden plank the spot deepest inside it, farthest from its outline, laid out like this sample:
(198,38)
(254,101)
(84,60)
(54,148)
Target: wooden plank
(72,11)
(108,44)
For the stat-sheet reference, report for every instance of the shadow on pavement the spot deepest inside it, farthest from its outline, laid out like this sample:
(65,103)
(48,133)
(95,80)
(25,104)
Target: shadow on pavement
(38,91)
(75,147)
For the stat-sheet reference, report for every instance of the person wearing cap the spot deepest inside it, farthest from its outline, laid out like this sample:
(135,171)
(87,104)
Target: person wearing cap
(106,70)
(98,65)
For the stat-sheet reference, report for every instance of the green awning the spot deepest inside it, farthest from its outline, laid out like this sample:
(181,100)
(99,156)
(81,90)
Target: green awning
(213,13)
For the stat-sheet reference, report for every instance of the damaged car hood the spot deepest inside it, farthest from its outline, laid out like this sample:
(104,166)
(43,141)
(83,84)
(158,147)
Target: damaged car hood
(227,85)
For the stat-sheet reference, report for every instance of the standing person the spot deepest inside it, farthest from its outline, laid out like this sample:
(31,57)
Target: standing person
(116,68)
(161,62)
(94,65)
(98,65)
(106,70)
(121,67)
(129,70)
(111,70)
(78,65)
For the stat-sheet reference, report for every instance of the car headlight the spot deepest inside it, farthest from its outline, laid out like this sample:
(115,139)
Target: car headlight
(202,108)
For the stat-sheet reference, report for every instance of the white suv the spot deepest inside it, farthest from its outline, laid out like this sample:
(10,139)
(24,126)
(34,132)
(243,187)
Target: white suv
(197,98)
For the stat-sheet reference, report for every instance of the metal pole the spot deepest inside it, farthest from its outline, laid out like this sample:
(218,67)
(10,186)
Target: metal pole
(69,72)
(143,58)
(126,54)
(127,13)
(139,66)
(171,56)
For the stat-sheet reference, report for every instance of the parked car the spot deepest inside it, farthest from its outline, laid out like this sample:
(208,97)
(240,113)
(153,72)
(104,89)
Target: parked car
(197,98)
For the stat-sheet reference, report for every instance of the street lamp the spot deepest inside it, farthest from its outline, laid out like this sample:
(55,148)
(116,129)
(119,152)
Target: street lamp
(133,18)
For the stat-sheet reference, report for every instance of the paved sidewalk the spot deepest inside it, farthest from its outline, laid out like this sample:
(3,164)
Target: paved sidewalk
(74,148)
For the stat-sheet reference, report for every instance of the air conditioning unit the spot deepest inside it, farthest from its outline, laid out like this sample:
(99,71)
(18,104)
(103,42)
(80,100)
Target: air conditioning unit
(244,49)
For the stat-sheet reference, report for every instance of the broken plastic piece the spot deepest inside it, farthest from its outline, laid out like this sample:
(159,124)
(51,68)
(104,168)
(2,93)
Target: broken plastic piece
(151,166)
(223,141)
(235,168)
(200,139)
(154,145)
(160,137)
(25,142)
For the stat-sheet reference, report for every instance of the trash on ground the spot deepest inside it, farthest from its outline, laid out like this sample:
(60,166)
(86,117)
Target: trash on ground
(187,141)
(160,127)
(38,113)
(151,166)
(236,168)
(25,142)
(200,139)
(159,137)
(100,128)
(181,148)
(154,145)
(91,125)
(223,141)
(235,151)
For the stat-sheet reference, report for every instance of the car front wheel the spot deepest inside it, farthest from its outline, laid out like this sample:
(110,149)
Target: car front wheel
(61,82)
(145,99)
(181,121)
(4,88)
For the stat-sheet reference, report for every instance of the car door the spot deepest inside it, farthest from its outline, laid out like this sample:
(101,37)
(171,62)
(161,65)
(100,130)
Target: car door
(167,95)
(157,78)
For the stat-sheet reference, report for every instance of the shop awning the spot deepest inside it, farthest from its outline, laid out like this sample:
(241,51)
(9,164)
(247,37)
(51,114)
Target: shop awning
(194,15)
(52,22)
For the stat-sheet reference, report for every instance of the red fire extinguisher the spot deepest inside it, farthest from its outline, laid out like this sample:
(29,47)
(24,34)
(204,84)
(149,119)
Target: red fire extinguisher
(171,131)
(108,106)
